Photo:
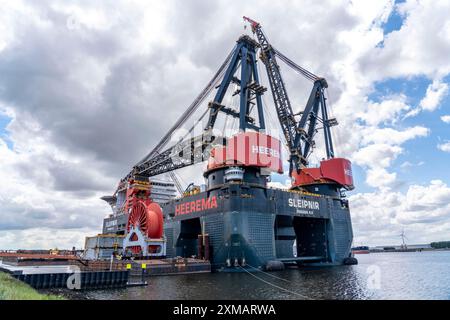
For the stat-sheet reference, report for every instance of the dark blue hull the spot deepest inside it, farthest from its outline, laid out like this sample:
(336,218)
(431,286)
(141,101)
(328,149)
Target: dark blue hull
(250,225)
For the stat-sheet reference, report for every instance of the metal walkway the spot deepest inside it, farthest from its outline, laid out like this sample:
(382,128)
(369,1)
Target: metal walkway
(302,259)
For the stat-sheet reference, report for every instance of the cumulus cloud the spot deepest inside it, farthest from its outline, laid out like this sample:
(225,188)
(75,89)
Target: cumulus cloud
(411,51)
(381,215)
(377,155)
(392,136)
(92,87)
(377,158)
(31,194)
(379,148)
(385,111)
(446,118)
(435,92)
(444,146)
(407,164)
(380,178)
(44,237)
(280,185)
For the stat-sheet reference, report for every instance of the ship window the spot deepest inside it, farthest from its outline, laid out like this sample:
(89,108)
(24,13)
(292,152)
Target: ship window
(214,177)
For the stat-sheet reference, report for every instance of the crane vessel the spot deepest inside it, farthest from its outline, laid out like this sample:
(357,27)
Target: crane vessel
(236,220)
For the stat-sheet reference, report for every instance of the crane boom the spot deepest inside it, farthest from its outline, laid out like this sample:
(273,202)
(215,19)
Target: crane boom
(279,93)
(196,149)
(299,134)
(182,154)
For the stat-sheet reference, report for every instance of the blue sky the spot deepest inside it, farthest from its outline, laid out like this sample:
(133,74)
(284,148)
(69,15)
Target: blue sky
(4,121)
(433,162)
(394,22)
(421,161)
(427,161)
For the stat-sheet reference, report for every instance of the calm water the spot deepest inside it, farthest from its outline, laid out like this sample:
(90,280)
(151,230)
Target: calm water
(415,275)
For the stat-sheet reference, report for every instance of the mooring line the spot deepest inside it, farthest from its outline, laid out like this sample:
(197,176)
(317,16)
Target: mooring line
(271,275)
(273,285)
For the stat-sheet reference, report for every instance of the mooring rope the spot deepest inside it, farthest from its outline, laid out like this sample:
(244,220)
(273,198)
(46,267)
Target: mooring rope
(275,286)
(271,275)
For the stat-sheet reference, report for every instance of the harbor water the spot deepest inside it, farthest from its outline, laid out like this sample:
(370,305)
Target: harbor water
(400,275)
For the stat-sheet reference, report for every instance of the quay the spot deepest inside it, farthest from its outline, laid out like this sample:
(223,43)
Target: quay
(45,271)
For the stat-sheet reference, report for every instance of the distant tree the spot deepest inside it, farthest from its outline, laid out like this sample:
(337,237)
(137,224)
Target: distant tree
(440,245)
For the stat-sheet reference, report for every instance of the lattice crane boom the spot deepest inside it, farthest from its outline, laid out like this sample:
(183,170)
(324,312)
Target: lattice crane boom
(196,149)
(299,134)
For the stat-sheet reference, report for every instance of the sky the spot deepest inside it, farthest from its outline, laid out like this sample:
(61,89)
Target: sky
(87,88)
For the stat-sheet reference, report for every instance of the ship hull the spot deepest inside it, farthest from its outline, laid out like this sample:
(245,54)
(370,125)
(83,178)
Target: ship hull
(251,226)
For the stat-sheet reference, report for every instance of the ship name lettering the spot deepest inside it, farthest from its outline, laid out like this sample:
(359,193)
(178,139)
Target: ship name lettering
(196,205)
(303,204)
(265,150)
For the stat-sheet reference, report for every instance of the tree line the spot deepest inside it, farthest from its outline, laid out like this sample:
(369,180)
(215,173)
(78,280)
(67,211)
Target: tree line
(440,244)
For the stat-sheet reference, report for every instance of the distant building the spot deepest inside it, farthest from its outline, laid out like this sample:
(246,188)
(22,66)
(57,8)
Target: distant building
(400,247)
(162,190)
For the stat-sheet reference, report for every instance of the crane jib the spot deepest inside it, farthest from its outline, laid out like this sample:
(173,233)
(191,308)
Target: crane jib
(300,134)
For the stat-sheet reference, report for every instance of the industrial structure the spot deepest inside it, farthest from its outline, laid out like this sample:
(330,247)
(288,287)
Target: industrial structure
(235,220)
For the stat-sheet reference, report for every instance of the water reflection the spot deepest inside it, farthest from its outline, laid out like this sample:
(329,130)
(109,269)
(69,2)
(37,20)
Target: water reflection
(421,275)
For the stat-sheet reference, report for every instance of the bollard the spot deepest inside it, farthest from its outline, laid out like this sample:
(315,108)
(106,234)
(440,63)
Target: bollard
(144,268)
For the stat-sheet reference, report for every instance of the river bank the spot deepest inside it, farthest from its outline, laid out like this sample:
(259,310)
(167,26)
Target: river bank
(13,289)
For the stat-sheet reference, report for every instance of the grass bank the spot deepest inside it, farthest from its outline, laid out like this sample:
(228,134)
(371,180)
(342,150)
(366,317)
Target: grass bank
(13,289)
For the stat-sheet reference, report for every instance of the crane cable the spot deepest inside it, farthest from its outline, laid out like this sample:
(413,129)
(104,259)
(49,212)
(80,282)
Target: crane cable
(336,132)
(191,109)
(275,286)
(307,74)
(310,76)
(230,103)
(266,273)
(272,120)
(271,117)
(267,110)
(198,121)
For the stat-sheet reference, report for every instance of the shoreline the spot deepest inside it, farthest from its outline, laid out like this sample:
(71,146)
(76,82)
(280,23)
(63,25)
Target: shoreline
(13,289)
(408,250)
